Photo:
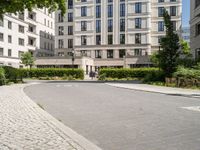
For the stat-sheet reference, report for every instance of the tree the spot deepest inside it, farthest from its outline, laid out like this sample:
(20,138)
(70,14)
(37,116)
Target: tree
(27,59)
(154,58)
(14,6)
(170,48)
(185,47)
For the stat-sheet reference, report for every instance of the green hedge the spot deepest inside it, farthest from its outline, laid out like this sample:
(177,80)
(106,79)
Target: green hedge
(12,74)
(2,76)
(126,73)
(52,72)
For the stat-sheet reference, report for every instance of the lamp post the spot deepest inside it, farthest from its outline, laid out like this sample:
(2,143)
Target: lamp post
(73,57)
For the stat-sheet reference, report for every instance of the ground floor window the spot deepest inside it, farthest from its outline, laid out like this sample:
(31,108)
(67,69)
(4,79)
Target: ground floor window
(109,53)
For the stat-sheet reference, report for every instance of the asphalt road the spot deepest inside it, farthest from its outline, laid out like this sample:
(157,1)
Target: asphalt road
(121,119)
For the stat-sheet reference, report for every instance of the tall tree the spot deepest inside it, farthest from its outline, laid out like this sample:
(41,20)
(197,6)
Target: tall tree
(14,6)
(170,48)
(27,59)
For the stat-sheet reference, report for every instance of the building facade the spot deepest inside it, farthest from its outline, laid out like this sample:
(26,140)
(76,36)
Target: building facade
(195,27)
(29,31)
(115,33)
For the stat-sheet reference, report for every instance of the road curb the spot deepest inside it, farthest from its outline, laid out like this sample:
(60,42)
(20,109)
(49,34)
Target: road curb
(151,91)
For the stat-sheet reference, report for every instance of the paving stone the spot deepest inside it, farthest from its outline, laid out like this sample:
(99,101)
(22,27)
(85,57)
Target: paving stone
(23,124)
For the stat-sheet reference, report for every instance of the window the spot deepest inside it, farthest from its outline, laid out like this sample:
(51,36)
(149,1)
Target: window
(21,15)
(98,1)
(122,38)
(160,26)
(9,25)
(138,38)
(31,41)
(97,53)
(60,43)
(60,18)
(21,29)
(172,10)
(98,11)
(1,37)
(161,1)
(138,52)
(83,25)
(110,10)
(122,53)
(122,10)
(1,51)
(122,24)
(20,54)
(70,30)
(138,23)
(70,17)
(197,30)
(110,39)
(32,15)
(21,42)
(70,43)
(83,0)
(83,40)
(83,11)
(9,39)
(110,1)
(70,4)
(174,25)
(160,11)
(197,3)
(1,22)
(160,39)
(109,53)
(60,30)
(138,7)
(110,25)
(9,52)
(98,26)
(98,39)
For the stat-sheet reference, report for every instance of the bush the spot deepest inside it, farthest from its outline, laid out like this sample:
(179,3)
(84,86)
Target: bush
(52,72)
(187,73)
(12,74)
(154,76)
(125,73)
(2,77)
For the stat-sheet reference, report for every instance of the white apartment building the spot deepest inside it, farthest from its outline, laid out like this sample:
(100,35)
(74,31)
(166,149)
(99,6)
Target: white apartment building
(29,31)
(195,27)
(115,33)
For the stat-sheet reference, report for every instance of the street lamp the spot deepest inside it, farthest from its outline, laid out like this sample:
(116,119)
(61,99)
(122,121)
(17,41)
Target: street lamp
(73,57)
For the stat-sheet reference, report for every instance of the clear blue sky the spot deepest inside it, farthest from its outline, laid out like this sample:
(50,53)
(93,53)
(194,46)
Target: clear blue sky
(186,13)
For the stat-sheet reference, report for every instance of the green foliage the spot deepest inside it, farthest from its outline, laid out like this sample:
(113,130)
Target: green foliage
(155,76)
(125,73)
(52,72)
(27,59)
(170,48)
(154,58)
(185,47)
(12,74)
(187,73)
(186,61)
(14,6)
(2,77)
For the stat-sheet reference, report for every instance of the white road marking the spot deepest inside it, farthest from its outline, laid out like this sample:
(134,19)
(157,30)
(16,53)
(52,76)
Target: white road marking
(192,108)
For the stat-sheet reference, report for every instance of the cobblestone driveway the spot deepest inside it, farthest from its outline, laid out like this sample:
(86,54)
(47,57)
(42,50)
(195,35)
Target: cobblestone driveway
(24,125)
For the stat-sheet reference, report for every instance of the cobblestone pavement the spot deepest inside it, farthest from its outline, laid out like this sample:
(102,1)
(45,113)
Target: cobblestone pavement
(24,125)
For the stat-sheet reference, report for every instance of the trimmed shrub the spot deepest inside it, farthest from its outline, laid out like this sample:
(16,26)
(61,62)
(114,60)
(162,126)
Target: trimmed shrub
(2,76)
(154,76)
(126,73)
(12,74)
(52,72)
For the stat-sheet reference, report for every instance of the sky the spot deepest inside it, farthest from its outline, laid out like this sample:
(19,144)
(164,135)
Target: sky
(186,13)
